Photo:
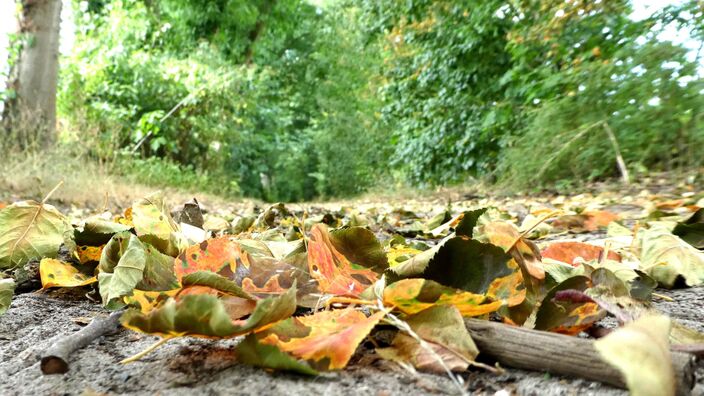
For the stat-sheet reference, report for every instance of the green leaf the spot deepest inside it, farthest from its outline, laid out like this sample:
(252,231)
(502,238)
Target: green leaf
(666,257)
(692,229)
(218,282)
(360,246)
(568,316)
(128,263)
(252,352)
(30,230)
(468,265)
(96,231)
(153,224)
(206,316)
(468,222)
(7,289)
(641,351)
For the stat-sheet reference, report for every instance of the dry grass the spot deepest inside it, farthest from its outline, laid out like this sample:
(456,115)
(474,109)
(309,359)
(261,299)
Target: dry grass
(31,174)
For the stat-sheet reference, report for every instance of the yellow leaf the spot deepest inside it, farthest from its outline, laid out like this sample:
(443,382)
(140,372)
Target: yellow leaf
(56,273)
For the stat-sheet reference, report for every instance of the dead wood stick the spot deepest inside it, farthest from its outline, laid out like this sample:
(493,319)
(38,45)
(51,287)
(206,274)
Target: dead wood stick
(559,354)
(55,358)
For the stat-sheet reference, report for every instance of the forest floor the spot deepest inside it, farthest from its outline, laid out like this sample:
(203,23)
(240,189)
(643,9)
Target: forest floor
(198,366)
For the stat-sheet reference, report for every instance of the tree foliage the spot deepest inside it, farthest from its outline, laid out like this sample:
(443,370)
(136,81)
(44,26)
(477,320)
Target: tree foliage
(286,100)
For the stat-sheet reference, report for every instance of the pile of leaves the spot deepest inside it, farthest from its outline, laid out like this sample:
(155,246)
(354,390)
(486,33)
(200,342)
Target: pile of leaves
(305,291)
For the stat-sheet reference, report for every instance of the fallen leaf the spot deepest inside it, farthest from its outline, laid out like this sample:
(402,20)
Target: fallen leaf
(57,273)
(251,351)
(89,254)
(7,289)
(331,340)
(333,271)
(692,229)
(29,230)
(445,335)
(127,264)
(666,257)
(360,247)
(571,252)
(203,315)
(468,265)
(411,296)
(562,314)
(641,351)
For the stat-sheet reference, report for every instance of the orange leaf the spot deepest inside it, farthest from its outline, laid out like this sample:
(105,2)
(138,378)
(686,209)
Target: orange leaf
(411,296)
(569,252)
(87,254)
(332,270)
(219,255)
(332,338)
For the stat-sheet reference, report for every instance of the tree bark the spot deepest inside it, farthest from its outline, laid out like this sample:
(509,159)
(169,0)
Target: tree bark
(30,117)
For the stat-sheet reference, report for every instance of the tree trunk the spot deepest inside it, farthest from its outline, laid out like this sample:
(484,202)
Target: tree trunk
(30,118)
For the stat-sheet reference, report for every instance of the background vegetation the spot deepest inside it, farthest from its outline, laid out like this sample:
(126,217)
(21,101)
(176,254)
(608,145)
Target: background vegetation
(291,100)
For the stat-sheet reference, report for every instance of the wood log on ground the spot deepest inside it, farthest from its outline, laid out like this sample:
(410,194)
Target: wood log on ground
(55,359)
(559,354)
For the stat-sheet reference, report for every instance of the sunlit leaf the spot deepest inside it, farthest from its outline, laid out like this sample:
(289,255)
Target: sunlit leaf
(57,273)
(127,263)
(29,230)
(89,254)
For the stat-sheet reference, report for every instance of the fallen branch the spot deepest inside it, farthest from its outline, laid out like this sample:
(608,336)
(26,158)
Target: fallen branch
(55,359)
(559,354)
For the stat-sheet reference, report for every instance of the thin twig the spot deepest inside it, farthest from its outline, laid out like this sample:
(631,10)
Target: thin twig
(55,359)
(145,352)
